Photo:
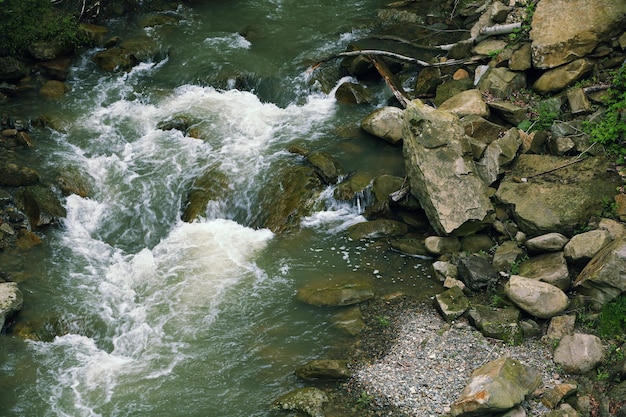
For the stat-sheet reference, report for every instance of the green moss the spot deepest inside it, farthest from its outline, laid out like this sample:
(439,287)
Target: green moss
(25,22)
(612,319)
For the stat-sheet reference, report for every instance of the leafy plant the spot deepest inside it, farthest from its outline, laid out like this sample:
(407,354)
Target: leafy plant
(383,321)
(364,399)
(25,22)
(610,131)
(612,319)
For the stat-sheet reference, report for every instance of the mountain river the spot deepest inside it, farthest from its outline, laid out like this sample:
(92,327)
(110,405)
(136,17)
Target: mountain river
(152,316)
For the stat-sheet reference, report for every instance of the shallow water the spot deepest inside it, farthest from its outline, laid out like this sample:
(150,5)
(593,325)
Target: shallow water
(141,314)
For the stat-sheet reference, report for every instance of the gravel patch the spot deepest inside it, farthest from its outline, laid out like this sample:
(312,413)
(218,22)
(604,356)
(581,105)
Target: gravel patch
(429,364)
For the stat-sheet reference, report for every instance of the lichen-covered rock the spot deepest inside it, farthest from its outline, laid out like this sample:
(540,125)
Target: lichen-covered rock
(452,303)
(501,82)
(579,353)
(500,153)
(498,323)
(558,78)
(555,203)
(441,172)
(495,387)
(537,298)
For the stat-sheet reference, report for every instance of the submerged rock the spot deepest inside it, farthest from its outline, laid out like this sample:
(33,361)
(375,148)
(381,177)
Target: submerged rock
(308,400)
(376,229)
(324,369)
(211,186)
(337,291)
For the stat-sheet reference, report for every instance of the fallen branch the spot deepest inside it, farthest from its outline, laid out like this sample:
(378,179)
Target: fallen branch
(390,80)
(393,55)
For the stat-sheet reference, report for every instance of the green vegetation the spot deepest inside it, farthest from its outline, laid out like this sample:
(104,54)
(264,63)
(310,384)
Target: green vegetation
(612,319)
(523,32)
(383,321)
(27,21)
(610,131)
(364,399)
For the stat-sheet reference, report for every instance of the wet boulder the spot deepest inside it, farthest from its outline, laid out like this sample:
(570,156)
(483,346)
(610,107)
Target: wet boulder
(441,171)
(495,387)
(337,291)
(127,54)
(385,123)
(376,229)
(11,301)
(350,321)
(324,369)
(326,166)
(14,175)
(352,187)
(212,185)
(11,69)
(71,180)
(41,205)
(352,93)
(559,35)
(53,89)
(290,198)
(307,400)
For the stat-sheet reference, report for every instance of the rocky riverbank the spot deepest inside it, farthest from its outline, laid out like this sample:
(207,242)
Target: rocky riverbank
(507,189)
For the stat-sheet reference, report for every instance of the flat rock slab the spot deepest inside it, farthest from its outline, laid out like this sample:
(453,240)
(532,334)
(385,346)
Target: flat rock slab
(558,201)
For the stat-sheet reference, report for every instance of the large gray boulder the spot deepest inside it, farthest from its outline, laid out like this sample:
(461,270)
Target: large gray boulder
(604,277)
(562,201)
(441,171)
(11,301)
(579,353)
(565,30)
(495,387)
(584,246)
(537,298)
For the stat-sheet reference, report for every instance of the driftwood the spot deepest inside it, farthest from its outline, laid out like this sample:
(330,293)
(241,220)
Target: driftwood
(390,80)
(398,57)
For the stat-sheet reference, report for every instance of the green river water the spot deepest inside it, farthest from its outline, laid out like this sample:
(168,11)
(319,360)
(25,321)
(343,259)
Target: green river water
(151,316)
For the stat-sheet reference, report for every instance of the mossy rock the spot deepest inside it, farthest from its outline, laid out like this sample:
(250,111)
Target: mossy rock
(338,291)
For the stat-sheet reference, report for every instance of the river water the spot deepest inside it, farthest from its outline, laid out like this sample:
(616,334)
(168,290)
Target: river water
(151,316)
